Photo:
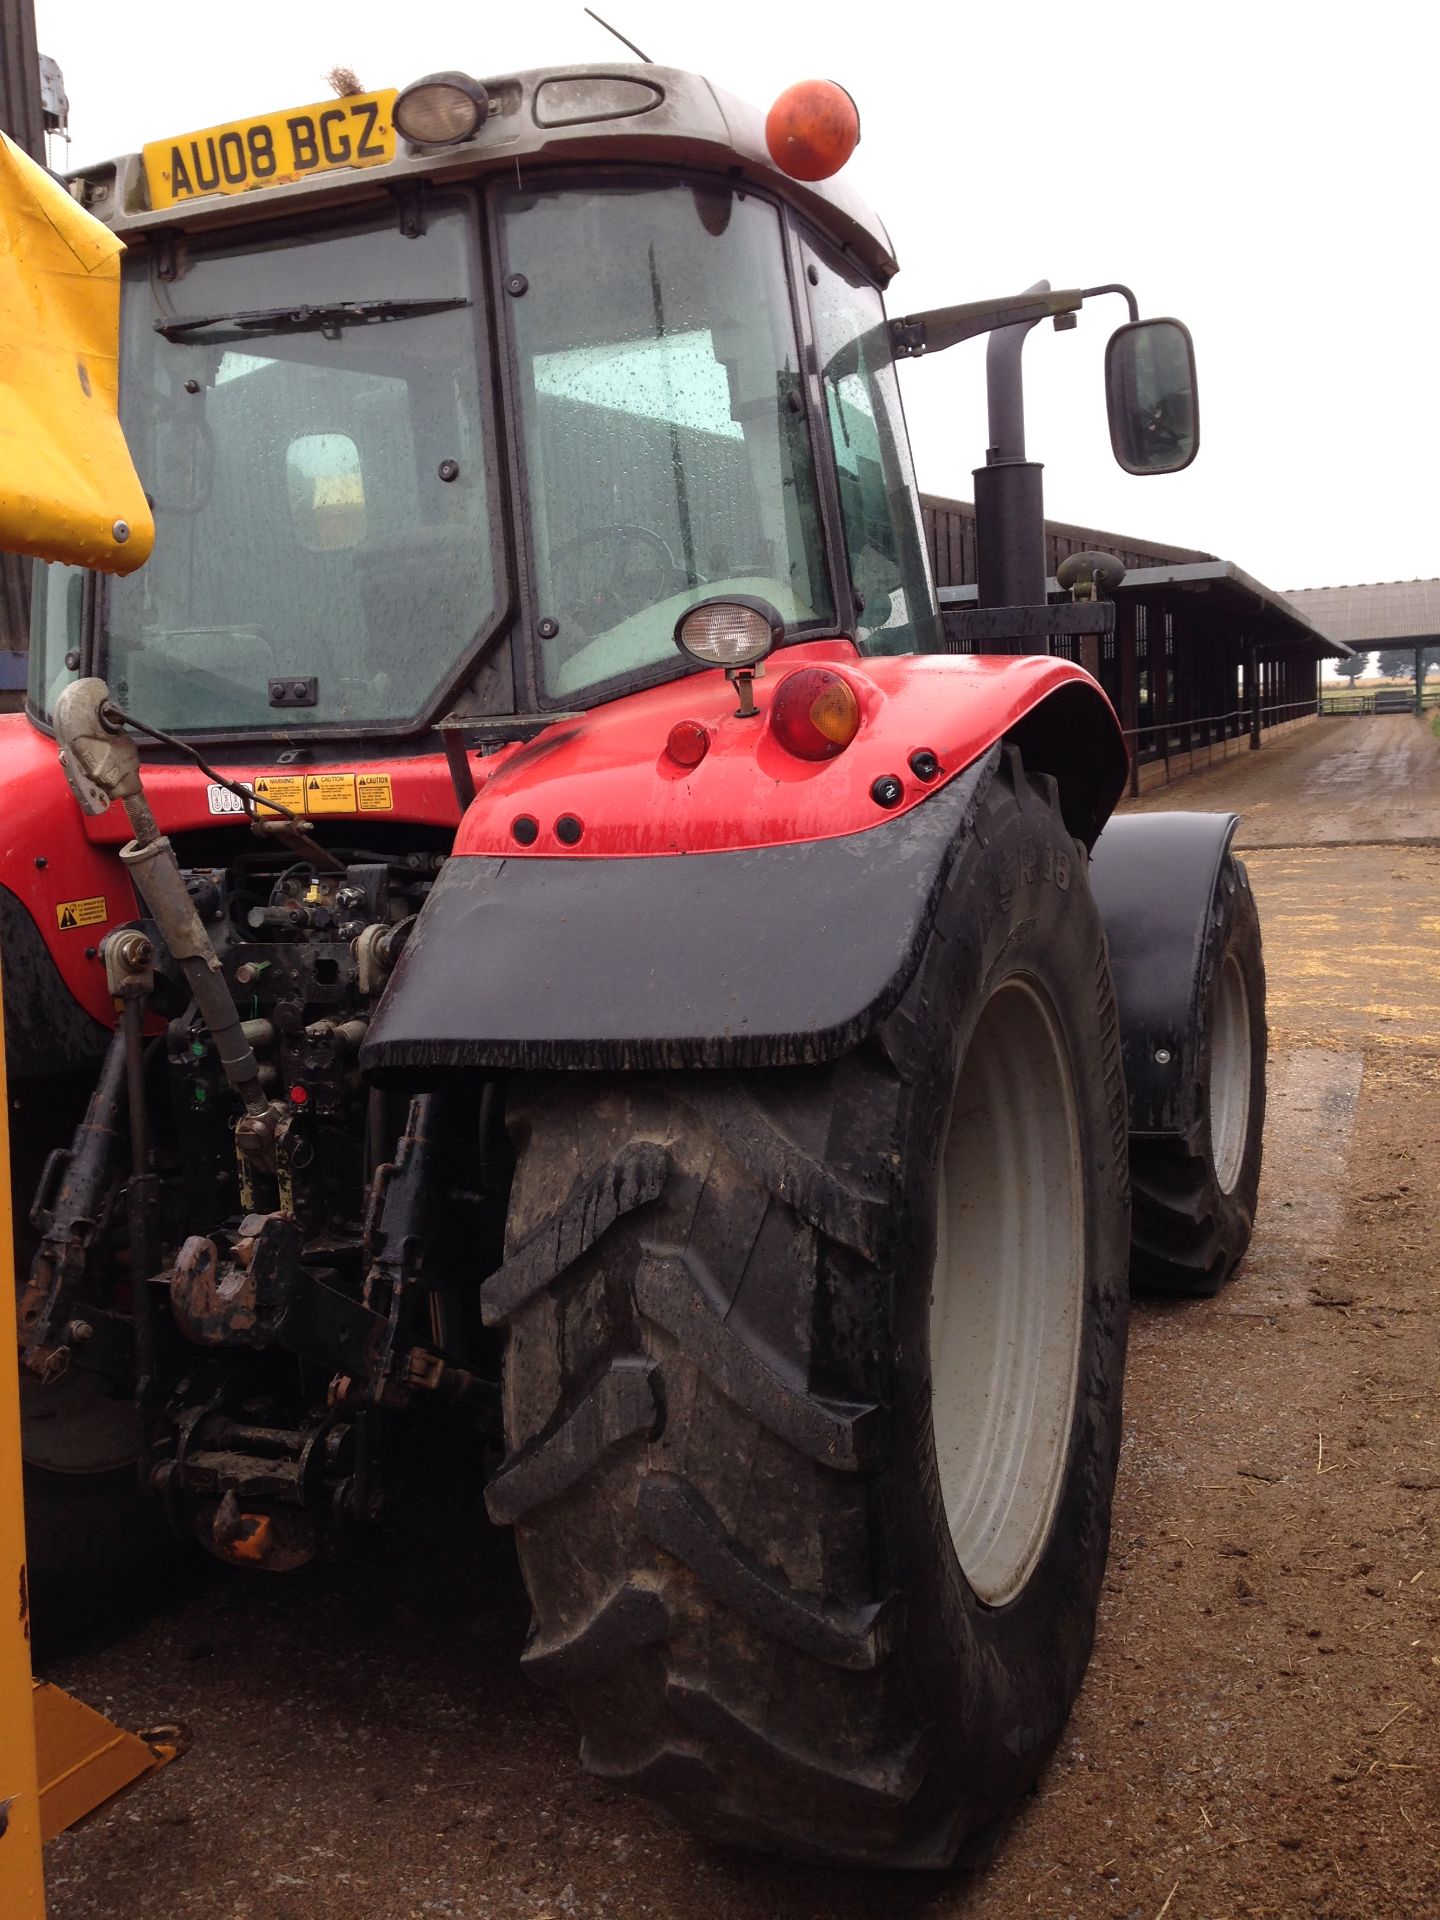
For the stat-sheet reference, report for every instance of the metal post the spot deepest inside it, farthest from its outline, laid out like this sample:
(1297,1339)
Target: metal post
(1009,499)
(1419,680)
(21,1877)
(22,116)
(1252,688)
(1129,685)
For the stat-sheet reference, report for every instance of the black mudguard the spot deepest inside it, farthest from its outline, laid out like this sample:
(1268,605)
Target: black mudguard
(765,956)
(1154,877)
(46,1030)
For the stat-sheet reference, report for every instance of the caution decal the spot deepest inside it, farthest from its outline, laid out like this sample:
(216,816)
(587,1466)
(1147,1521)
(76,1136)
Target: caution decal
(70,914)
(309,794)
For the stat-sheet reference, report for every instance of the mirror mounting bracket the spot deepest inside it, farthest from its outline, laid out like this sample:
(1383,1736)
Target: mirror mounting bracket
(1114,286)
(941,327)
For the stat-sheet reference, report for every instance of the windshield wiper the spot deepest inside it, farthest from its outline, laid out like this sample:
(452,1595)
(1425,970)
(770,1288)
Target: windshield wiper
(328,319)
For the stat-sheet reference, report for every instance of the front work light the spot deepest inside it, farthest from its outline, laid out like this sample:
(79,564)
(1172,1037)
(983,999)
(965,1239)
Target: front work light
(734,632)
(441,109)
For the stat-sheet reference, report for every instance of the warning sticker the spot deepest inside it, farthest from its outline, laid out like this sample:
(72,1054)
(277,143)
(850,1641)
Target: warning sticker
(311,793)
(81,913)
(329,793)
(288,789)
(372,793)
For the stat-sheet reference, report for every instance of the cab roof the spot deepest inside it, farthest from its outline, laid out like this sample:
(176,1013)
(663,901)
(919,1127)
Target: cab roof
(539,116)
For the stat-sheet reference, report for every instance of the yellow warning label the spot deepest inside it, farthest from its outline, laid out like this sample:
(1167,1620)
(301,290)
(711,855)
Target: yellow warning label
(80,913)
(329,793)
(372,793)
(311,793)
(286,789)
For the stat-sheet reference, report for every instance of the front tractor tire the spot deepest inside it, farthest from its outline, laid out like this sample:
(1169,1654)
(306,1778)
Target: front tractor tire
(813,1386)
(1195,1195)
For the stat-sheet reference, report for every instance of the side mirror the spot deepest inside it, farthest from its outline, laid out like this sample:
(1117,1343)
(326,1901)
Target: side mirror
(1150,396)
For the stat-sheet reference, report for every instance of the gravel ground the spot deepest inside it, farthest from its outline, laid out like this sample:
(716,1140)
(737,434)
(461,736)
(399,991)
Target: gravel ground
(1258,1732)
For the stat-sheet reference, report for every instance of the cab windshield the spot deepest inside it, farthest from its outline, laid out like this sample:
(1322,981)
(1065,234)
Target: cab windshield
(666,450)
(306,415)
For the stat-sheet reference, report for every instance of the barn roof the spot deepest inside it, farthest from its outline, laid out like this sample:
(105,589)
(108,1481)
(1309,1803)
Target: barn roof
(1370,616)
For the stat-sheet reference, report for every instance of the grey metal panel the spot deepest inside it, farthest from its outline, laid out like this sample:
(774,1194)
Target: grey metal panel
(20,113)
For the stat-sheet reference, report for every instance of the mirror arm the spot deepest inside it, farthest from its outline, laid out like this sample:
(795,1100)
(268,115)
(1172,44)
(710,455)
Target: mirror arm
(941,327)
(1126,295)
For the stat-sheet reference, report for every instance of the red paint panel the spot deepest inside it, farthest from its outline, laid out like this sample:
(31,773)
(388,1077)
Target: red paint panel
(421,794)
(40,822)
(610,770)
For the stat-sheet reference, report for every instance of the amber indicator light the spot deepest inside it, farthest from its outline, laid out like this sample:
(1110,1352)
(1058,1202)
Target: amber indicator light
(814,713)
(812,129)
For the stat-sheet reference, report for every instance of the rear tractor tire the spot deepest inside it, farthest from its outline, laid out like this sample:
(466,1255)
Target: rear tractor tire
(813,1386)
(1195,1197)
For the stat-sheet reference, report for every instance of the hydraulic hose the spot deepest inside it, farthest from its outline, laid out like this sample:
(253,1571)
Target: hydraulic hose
(156,873)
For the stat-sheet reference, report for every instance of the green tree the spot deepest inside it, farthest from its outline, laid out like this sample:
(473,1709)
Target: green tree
(1351,670)
(1396,662)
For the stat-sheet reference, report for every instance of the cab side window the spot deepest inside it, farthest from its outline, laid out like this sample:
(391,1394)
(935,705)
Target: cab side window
(889,570)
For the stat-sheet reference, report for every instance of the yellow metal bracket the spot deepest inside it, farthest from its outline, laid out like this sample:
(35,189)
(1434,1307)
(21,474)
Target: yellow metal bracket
(83,1759)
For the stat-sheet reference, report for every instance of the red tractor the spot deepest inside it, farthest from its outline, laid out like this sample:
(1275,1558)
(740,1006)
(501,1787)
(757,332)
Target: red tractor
(557,939)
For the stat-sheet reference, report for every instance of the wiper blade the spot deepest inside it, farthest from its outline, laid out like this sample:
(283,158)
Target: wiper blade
(323,319)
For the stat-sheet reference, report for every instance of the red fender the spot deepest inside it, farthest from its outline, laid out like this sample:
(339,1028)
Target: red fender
(610,771)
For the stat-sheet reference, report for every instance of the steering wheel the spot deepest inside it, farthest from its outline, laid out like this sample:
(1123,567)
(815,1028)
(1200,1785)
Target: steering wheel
(633,569)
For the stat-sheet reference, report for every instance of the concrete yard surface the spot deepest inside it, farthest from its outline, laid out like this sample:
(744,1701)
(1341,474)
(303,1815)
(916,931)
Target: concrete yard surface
(1341,781)
(1259,1734)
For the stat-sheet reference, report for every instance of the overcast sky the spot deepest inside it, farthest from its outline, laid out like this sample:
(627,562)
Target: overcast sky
(1265,171)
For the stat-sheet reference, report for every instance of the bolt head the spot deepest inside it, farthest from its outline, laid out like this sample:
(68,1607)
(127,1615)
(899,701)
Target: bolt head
(121,531)
(1162,1056)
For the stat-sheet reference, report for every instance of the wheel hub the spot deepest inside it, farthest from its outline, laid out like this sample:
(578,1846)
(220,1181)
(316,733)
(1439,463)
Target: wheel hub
(1007,1291)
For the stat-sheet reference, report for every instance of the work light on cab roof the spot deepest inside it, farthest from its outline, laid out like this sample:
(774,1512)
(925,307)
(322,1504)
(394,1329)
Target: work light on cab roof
(812,129)
(442,109)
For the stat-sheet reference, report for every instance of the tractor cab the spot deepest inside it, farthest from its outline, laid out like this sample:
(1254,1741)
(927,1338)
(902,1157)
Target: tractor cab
(473,427)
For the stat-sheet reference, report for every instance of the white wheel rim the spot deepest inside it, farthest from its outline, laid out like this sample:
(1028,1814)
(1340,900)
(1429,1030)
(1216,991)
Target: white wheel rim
(1230,1075)
(1007,1292)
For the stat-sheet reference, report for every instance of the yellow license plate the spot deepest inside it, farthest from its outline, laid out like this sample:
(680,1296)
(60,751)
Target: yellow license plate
(356,131)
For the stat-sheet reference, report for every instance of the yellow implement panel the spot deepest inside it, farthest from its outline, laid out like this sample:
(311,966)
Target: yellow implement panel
(68,490)
(356,131)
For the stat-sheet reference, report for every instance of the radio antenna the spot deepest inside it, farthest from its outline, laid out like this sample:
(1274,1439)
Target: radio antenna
(620,37)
